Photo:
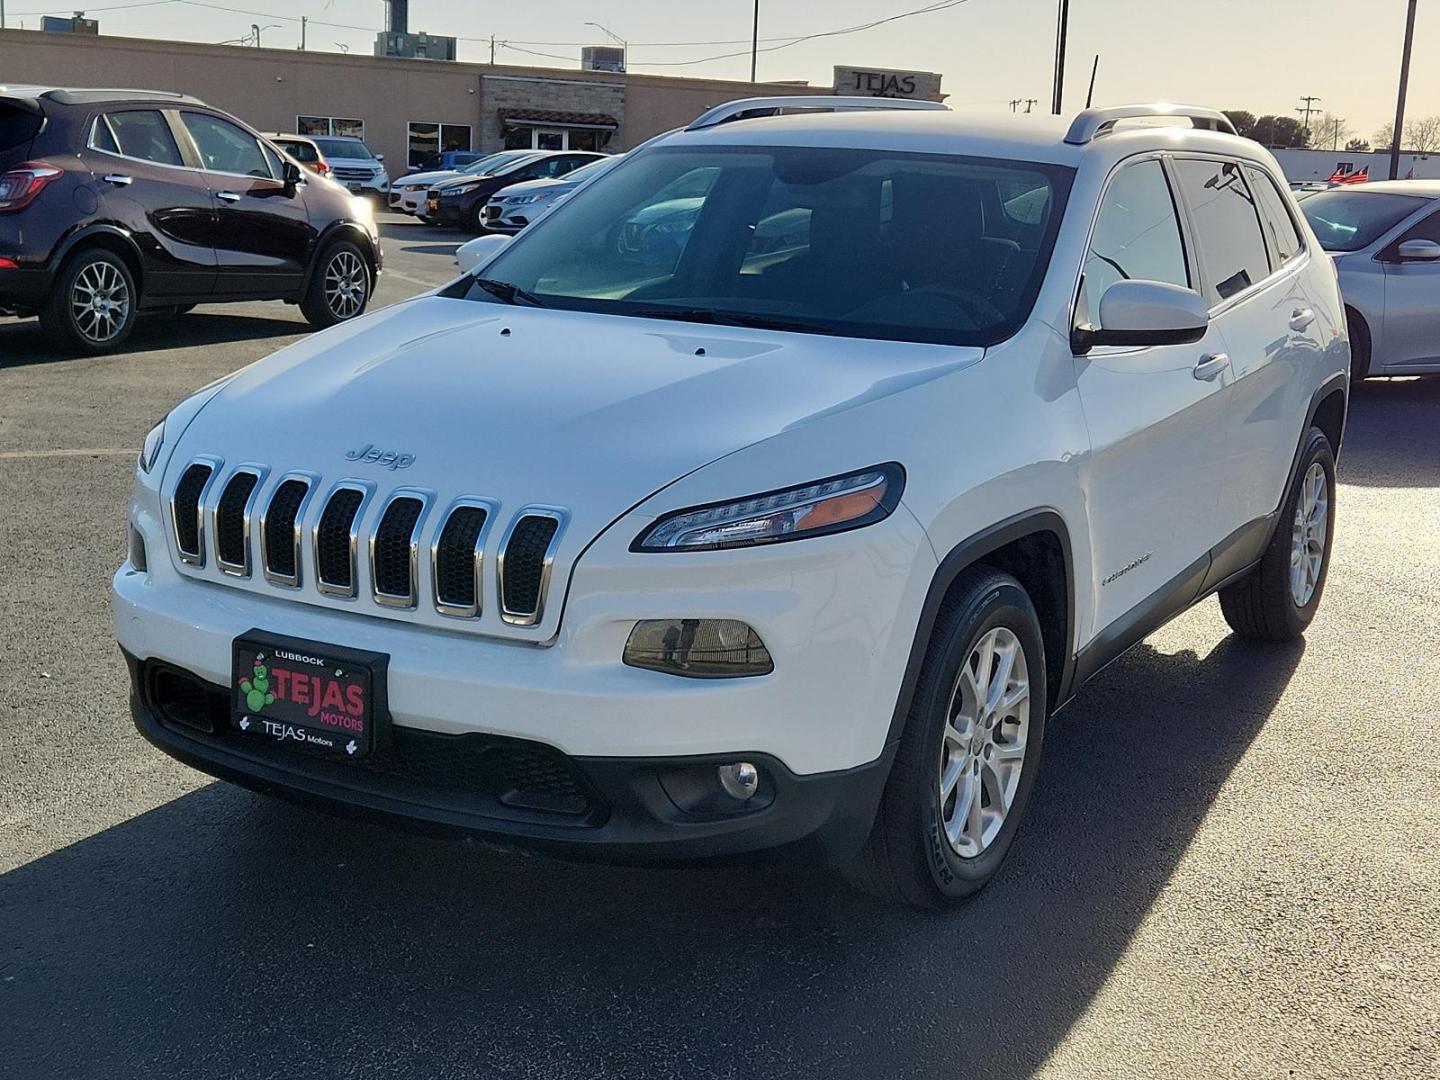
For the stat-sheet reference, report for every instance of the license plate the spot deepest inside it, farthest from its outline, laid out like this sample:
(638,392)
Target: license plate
(432,205)
(308,695)
(356,188)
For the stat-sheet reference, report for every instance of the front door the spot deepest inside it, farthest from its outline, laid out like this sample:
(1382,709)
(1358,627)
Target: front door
(1156,417)
(1412,297)
(263,235)
(550,139)
(143,183)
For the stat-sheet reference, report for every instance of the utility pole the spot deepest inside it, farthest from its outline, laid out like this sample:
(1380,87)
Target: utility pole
(1062,29)
(755,40)
(492,48)
(304,19)
(1030,103)
(1335,142)
(1014,102)
(2,14)
(1307,109)
(1404,86)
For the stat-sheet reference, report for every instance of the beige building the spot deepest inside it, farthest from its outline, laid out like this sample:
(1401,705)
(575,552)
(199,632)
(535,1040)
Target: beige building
(404,109)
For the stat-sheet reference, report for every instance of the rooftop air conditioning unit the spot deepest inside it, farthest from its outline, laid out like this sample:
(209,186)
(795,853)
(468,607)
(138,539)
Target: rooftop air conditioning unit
(602,58)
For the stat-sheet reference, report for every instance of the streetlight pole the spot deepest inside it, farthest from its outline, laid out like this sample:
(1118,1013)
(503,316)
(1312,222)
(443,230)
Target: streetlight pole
(755,40)
(1404,87)
(1062,29)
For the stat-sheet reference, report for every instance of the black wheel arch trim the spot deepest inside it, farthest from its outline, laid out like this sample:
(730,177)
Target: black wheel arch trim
(67,246)
(1339,382)
(968,553)
(357,234)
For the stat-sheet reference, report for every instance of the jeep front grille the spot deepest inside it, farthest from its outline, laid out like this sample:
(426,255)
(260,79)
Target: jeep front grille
(339,526)
(335,537)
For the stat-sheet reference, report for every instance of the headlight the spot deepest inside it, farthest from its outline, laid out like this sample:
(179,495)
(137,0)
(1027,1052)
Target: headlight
(150,451)
(521,200)
(826,506)
(463,189)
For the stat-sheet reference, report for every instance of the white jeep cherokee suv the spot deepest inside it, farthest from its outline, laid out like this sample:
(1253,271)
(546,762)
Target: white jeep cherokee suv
(771,494)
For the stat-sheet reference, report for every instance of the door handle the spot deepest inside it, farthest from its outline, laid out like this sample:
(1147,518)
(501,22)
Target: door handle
(228,196)
(118,180)
(1211,366)
(1300,318)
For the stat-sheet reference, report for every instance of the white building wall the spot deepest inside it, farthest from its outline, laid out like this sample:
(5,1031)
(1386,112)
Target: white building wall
(1321,164)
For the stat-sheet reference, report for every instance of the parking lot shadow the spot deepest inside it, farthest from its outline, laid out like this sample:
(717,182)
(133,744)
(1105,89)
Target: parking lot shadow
(23,343)
(1392,436)
(223,934)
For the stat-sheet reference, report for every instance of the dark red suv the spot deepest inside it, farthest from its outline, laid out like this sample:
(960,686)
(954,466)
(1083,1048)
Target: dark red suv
(118,202)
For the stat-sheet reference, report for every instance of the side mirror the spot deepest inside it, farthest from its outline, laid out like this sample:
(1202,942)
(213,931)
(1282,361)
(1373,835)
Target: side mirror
(293,176)
(1144,313)
(1418,251)
(477,254)
(379,157)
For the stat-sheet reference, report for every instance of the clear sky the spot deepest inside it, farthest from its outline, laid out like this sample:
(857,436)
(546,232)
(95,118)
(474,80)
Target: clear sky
(1260,55)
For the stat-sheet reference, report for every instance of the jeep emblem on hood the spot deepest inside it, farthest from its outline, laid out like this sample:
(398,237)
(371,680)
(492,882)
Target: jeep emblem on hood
(391,459)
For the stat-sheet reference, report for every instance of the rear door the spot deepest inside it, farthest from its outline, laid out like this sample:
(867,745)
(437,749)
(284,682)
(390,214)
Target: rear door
(146,187)
(1156,416)
(1412,301)
(262,234)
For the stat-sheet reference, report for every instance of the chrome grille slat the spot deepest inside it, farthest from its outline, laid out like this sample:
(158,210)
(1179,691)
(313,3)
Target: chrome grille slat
(457,559)
(523,565)
(187,509)
(231,522)
(395,550)
(280,529)
(336,535)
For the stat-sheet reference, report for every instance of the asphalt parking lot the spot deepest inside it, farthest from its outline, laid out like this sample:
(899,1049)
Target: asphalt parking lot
(1232,866)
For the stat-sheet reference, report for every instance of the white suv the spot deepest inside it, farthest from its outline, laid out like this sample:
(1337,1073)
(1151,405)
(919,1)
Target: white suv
(771,494)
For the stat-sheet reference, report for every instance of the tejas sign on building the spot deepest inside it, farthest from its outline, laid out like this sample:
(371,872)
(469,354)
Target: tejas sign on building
(887,82)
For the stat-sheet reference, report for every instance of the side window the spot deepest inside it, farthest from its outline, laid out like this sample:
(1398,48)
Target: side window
(1136,237)
(226,148)
(102,139)
(272,159)
(144,134)
(1279,225)
(1426,229)
(1227,228)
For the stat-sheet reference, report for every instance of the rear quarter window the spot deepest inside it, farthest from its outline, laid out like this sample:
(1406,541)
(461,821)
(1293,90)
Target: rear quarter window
(1280,228)
(17,127)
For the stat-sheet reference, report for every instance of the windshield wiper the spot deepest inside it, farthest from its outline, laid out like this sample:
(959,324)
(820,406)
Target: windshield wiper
(511,294)
(731,318)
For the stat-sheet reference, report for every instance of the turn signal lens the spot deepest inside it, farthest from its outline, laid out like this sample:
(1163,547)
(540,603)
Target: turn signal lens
(698,648)
(826,506)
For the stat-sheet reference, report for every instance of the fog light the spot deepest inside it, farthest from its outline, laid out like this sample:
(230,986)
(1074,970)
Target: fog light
(698,648)
(740,780)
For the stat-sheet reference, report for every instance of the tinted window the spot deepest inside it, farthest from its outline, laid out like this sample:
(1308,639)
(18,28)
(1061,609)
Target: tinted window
(300,151)
(224,147)
(144,134)
(272,159)
(1279,225)
(863,243)
(1350,220)
(1136,237)
(102,139)
(1425,229)
(17,127)
(1227,227)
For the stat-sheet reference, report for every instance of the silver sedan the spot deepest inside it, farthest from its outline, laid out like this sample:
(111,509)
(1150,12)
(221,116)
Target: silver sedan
(1385,239)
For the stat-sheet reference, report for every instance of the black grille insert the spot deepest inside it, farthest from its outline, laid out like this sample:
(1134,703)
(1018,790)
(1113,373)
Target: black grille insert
(334,557)
(394,548)
(232,548)
(186,508)
(456,577)
(522,582)
(282,554)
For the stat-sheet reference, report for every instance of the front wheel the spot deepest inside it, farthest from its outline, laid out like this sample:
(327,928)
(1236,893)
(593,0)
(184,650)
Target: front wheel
(92,307)
(1278,599)
(967,760)
(340,287)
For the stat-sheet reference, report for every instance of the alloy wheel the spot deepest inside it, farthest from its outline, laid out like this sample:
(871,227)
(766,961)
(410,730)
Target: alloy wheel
(100,302)
(346,283)
(1308,535)
(986,727)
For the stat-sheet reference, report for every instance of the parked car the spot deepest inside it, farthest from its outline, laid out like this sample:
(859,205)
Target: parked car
(407,194)
(353,164)
(304,150)
(788,546)
(451,159)
(1385,239)
(461,201)
(515,207)
(117,202)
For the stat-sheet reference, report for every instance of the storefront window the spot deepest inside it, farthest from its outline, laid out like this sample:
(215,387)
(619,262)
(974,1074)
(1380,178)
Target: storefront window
(526,137)
(427,140)
(330,125)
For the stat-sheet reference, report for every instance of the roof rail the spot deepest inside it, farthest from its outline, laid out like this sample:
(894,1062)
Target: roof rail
(1092,123)
(772,106)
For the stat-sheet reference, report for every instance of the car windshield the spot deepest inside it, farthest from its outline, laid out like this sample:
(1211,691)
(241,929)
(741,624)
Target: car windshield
(496,161)
(1351,220)
(862,243)
(345,148)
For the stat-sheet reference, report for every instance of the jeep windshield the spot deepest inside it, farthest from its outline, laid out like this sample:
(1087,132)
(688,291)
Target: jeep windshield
(860,243)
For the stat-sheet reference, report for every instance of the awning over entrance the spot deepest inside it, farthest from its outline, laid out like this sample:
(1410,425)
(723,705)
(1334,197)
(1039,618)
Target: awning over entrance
(551,118)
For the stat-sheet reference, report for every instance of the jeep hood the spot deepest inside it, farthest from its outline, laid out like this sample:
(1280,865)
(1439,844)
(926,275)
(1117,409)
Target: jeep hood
(592,413)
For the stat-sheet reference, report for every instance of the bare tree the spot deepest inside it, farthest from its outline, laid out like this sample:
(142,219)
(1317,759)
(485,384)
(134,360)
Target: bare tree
(1330,129)
(1384,137)
(1423,134)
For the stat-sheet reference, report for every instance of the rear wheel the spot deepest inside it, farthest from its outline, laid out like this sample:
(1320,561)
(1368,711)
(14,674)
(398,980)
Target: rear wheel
(1278,599)
(92,307)
(967,761)
(340,287)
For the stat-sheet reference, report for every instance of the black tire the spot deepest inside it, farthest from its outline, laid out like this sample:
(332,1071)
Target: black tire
(908,858)
(1263,605)
(181,309)
(1359,346)
(339,287)
(101,274)
(477,219)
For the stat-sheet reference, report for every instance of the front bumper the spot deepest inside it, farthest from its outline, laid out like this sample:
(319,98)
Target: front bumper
(457,211)
(24,291)
(521,794)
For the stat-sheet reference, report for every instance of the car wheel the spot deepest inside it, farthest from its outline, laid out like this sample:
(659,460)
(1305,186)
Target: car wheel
(967,760)
(1278,599)
(93,304)
(477,218)
(340,287)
